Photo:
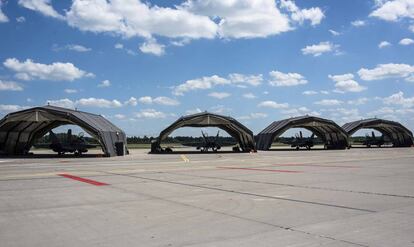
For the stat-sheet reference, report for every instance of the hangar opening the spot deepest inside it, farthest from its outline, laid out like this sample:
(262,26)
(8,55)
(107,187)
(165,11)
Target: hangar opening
(330,134)
(241,134)
(20,130)
(392,132)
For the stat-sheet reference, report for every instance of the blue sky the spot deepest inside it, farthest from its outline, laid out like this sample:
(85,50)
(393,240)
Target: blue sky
(143,64)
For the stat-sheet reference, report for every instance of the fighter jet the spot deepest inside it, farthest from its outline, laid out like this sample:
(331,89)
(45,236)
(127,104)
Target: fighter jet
(301,141)
(72,144)
(373,140)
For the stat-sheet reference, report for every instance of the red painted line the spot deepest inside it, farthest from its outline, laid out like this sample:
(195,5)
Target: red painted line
(256,169)
(85,180)
(312,165)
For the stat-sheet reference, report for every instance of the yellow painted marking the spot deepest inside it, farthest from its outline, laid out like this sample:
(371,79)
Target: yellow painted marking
(183,157)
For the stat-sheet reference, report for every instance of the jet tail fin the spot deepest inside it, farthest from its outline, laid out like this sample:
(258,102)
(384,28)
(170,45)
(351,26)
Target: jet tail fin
(53,138)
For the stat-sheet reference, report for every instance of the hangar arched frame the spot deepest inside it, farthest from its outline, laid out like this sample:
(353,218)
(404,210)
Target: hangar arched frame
(331,133)
(399,135)
(241,133)
(19,130)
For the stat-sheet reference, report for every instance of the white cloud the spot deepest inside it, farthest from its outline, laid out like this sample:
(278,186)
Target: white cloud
(11,108)
(78,48)
(134,18)
(399,99)
(219,95)
(406,41)
(319,49)
(220,109)
(334,33)
(255,115)
(105,83)
(42,6)
(360,101)
(329,102)
(249,96)
(150,114)
(199,84)
(3,17)
(119,46)
(280,79)
(20,19)
(310,92)
(345,83)
(159,100)
(120,116)
(324,92)
(152,47)
(411,28)
(384,44)
(346,115)
(193,111)
(386,71)
(68,90)
(145,100)
(314,15)
(65,103)
(253,80)
(300,111)
(29,70)
(394,10)
(358,23)
(10,86)
(101,103)
(273,104)
(166,101)
(131,101)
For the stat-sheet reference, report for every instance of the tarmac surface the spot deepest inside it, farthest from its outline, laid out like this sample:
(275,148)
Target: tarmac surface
(357,197)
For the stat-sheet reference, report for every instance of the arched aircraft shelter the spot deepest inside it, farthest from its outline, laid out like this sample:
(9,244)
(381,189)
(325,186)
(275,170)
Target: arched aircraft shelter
(19,130)
(332,134)
(241,133)
(399,135)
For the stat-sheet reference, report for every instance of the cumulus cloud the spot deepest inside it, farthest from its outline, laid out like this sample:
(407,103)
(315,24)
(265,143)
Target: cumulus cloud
(131,101)
(105,83)
(253,80)
(406,41)
(280,79)
(394,10)
(10,86)
(101,103)
(11,108)
(193,111)
(346,83)
(78,48)
(150,114)
(199,84)
(399,99)
(152,47)
(159,100)
(193,19)
(384,44)
(319,49)
(219,95)
(273,104)
(249,96)
(65,103)
(29,70)
(3,17)
(120,116)
(387,71)
(329,102)
(20,19)
(314,15)
(300,111)
(42,6)
(358,23)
